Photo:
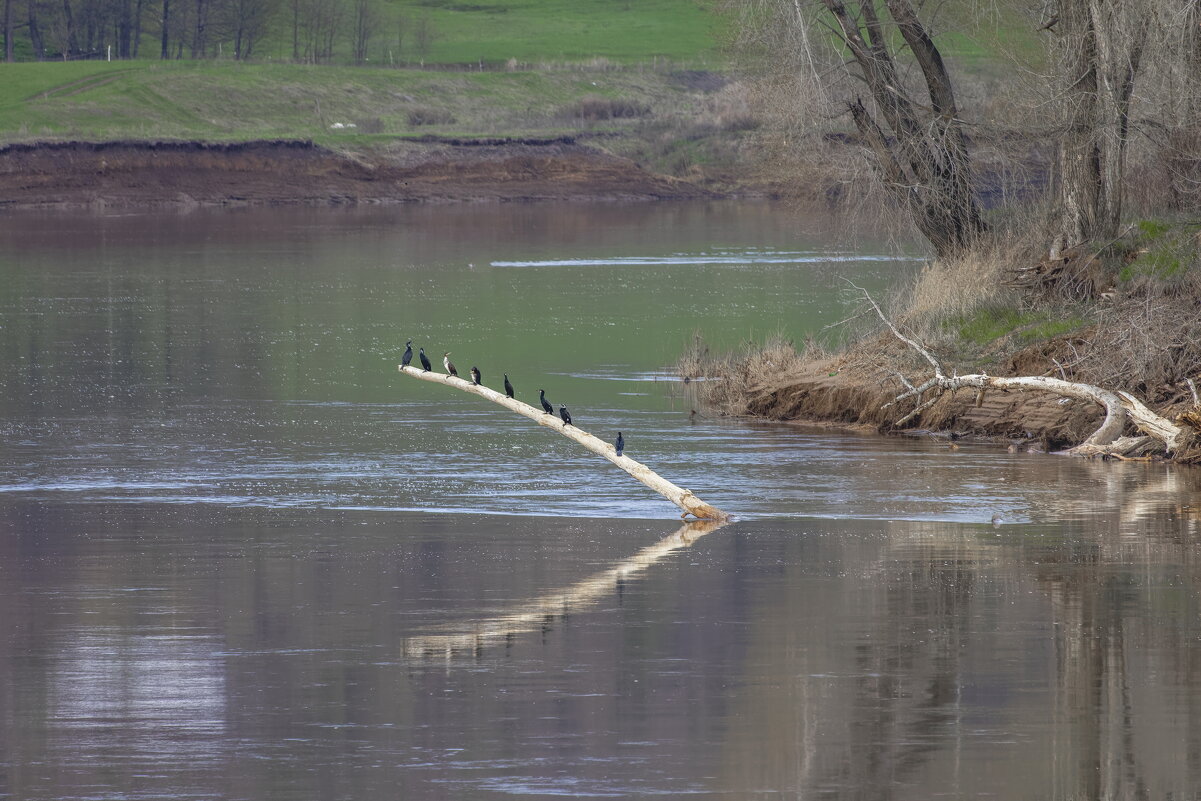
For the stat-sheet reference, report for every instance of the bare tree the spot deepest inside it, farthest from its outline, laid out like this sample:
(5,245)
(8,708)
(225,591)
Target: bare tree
(316,24)
(200,30)
(295,7)
(365,21)
(245,23)
(423,36)
(165,38)
(37,38)
(8,31)
(925,161)
(878,62)
(1100,43)
(71,41)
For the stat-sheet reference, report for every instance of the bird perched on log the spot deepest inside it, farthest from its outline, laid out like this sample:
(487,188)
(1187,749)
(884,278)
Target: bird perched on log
(565,415)
(508,386)
(425,360)
(408,357)
(475,376)
(620,444)
(546,407)
(450,368)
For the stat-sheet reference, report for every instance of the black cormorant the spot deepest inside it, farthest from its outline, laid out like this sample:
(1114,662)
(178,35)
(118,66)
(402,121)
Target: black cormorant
(450,368)
(425,360)
(408,357)
(508,386)
(565,415)
(546,407)
(620,445)
(475,376)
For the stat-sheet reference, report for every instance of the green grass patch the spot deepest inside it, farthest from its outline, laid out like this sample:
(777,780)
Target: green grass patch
(1049,329)
(536,31)
(230,101)
(1164,252)
(28,82)
(1152,229)
(988,324)
(1157,264)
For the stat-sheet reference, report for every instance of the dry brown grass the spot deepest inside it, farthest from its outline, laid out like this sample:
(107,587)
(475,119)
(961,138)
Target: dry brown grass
(1148,340)
(957,287)
(729,380)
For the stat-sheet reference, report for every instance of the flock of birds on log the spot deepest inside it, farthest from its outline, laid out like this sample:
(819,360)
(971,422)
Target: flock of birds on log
(564,415)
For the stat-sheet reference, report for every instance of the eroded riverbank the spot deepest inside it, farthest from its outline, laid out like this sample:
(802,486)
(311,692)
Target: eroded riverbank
(141,174)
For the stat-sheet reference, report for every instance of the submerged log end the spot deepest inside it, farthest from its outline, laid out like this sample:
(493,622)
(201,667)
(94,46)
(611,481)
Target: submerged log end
(699,509)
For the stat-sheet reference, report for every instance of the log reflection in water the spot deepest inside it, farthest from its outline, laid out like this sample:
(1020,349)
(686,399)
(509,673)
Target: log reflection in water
(534,614)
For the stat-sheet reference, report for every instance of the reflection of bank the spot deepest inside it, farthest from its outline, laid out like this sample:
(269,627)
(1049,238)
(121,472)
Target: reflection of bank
(1023,661)
(535,614)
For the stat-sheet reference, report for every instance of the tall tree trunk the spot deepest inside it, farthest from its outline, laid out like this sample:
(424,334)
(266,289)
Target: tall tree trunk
(296,30)
(165,51)
(1079,152)
(124,29)
(69,21)
(8,31)
(35,31)
(1101,49)
(137,28)
(200,32)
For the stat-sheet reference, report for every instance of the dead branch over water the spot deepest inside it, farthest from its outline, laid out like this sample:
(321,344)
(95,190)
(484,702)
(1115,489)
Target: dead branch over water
(683,498)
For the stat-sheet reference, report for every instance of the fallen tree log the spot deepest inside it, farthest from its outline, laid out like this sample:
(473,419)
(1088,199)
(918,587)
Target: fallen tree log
(1120,407)
(683,498)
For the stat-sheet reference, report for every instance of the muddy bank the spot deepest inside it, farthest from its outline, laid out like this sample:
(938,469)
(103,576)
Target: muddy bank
(147,174)
(844,392)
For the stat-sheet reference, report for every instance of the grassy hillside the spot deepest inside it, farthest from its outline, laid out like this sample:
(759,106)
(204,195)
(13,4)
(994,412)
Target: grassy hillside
(536,31)
(231,101)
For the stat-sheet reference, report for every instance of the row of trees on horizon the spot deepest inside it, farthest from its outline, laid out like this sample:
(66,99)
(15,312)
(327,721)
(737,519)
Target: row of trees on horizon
(315,31)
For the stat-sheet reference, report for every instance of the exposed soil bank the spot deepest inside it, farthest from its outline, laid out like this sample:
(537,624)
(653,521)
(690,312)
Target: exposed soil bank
(844,392)
(147,174)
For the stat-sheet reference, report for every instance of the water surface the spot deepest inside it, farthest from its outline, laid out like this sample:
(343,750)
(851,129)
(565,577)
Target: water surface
(241,557)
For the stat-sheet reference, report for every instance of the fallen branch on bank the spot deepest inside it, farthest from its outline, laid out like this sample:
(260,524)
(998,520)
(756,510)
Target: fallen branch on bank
(1120,407)
(683,498)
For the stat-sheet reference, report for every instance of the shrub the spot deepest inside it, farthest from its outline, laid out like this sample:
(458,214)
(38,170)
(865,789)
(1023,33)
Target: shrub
(374,125)
(430,116)
(594,109)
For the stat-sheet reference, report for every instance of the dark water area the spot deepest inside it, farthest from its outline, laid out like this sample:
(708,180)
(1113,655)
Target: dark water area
(242,558)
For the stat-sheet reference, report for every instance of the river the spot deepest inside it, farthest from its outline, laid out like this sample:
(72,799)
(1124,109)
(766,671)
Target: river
(242,557)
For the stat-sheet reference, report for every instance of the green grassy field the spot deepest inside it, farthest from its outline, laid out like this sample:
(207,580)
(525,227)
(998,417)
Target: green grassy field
(537,31)
(232,101)
(559,54)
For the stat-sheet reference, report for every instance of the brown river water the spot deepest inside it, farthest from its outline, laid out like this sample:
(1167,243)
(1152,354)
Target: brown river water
(242,558)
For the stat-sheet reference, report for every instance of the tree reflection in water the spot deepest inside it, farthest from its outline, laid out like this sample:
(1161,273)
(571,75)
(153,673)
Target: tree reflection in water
(537,613)
(932,690)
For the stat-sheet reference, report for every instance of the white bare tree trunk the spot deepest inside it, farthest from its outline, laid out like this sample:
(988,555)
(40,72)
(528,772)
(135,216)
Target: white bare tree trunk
(682,498)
